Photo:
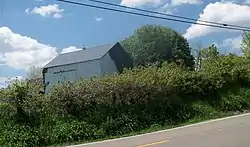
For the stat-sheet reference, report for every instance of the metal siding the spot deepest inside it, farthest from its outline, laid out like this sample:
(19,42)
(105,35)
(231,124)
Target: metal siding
(88,69)
(107,65)
(48,79)
(72,72)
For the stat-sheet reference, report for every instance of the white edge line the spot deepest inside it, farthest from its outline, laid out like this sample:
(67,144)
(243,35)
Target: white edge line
(167,130)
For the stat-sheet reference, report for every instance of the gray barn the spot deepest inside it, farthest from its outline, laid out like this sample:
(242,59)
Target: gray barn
(86,63)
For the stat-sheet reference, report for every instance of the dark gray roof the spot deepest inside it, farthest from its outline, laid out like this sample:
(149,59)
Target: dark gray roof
(80,56)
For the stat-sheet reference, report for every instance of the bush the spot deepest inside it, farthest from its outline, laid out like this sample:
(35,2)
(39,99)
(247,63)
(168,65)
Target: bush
(20,135)
(71,131)
(6,112)
(137,99)
(236,101)
(202,109)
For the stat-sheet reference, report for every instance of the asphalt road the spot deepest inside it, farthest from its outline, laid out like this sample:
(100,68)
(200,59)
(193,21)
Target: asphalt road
(227,132)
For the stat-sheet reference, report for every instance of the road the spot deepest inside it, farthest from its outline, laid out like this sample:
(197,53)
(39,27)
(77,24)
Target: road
(226,132)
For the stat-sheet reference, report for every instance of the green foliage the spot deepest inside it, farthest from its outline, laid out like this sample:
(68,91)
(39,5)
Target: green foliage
(25,99)
(20,135)
(206,56)
(153,43)
(236,101)
(202,109)
(229,69)
(118,104)
(210,52)
(245,45)
(70,131)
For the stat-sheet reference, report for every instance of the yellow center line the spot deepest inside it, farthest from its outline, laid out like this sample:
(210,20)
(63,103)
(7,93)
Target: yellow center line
(154,143)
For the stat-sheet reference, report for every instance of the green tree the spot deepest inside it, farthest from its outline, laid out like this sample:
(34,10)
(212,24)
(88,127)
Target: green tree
(205,55)
(197,53)
(152,43)
(245,45)
(208,55)
(210,52)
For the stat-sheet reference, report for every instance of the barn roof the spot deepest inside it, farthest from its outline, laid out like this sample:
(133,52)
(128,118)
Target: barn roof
(80,56)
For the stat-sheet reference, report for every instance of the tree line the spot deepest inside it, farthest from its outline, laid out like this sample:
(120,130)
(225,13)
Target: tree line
(156,44)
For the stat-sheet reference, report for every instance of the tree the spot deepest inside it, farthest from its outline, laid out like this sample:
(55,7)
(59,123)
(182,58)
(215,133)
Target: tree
(208,55)
(197,54)
(34,73)
(152,43)
(204,55)
(245,45)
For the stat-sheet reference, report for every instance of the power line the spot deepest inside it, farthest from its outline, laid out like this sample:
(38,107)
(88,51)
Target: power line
(151,16)
(164,14)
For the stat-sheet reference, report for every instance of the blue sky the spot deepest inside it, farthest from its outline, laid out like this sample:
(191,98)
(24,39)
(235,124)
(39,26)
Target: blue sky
(32,32)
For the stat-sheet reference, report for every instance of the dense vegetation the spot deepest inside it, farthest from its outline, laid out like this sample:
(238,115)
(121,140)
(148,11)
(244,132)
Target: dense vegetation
(152,43)
(114,105)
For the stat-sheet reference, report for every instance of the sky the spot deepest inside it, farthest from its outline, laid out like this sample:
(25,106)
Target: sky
(33,32)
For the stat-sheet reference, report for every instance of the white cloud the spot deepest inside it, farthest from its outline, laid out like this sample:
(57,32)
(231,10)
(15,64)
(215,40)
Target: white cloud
(70,49)
(231,45)
(1,58)
(166,8)
(138,3)
(2,86)
(233,42)
(162,6)
(27,10)
(98,18)
(247,2)
(182,2)
(45,11)
(22,52)
(4,81)
(228,13)
(154,3)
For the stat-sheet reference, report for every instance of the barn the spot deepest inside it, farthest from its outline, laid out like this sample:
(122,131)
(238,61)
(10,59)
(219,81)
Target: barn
(86,63)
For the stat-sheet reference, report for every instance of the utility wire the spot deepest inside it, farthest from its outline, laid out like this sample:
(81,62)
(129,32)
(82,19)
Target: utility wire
(151,16)
(164,14)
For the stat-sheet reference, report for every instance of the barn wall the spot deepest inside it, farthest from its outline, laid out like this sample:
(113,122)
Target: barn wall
(107,65)
(72,72)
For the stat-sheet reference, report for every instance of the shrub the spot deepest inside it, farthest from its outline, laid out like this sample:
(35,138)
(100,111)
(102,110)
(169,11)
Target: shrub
(202,109)
(72,131)
(236,101)
(20,136)
(119,104)
(6,112)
